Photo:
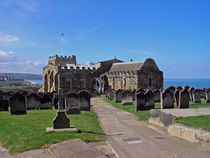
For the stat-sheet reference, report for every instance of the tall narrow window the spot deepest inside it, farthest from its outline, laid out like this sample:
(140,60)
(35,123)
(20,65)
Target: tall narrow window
(150,81)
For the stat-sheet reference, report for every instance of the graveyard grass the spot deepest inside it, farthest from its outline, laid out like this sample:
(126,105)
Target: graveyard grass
(20,133)
(142,115)
(202,122)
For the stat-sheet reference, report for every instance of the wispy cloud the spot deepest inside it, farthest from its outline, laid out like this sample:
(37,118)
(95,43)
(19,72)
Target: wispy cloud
(10,62)
(8,38)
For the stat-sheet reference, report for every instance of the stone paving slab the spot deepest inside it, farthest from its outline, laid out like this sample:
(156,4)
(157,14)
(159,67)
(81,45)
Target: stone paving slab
(187,112)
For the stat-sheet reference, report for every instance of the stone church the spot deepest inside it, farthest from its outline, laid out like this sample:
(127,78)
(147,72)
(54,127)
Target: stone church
(64,72)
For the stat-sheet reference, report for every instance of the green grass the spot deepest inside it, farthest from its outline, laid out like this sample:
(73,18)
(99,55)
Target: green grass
(142,115)
(20,133)
(198,105)
(202,122)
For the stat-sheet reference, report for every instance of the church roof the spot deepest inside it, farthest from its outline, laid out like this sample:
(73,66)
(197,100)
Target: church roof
(131,66)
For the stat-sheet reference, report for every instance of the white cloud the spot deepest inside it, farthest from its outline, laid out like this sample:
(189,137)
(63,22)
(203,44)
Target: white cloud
(8,38)
(10,62)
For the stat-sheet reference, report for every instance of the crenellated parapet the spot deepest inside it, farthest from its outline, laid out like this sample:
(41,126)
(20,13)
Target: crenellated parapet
(62,60)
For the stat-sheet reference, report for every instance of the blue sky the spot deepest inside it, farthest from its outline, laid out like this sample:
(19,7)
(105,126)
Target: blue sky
(176,33)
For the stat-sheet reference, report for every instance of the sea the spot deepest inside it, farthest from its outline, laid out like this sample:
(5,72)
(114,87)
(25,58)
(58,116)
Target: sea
(196,83)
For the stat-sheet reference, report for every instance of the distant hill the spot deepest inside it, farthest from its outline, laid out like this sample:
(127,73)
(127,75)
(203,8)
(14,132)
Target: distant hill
(23,76)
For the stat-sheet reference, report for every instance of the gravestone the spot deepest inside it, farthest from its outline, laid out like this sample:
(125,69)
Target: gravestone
(179,88)
(60,121)
(108,94)
(112,94)
(167,99)
(4,104)
(133,92)
(196,96)
(32,101)
(45,101)
(190,91)
(176,96)
(156,95)
(149,100)
(84,98)
(118,96)
(172,88)
(184,98)
(127,98)
(55,102)
(17,104)
(140,90)
(72,103)
(140,102)
(208,95)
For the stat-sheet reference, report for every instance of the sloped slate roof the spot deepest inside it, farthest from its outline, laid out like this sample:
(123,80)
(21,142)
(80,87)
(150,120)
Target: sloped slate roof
(131,66)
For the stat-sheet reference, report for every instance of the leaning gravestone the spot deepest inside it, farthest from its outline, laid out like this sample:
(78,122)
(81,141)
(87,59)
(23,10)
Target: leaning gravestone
(118,96)
(32,101)
(167,99)
(176,96)
(127,98)
(149,100)
(196,96)
(140,102)
(84,98)
(190,91)
(208,95)
(17,104)
(72,103)
(156,95)
(4,104)
(45,101)
(184,98)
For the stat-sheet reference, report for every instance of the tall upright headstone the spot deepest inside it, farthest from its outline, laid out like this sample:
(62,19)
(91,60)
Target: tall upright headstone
(149,100)
(127,98)
(72,103)
(196,96)
(156,95)
(140,102)
(208,95)
(17,104)
(84,100)
(118,96)
(167,99)
(190,90)
(184,98)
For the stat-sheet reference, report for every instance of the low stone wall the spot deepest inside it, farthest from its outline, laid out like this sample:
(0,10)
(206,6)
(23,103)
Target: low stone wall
(167,120)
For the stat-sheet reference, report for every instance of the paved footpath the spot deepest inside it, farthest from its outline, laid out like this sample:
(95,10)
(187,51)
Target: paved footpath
(131,138)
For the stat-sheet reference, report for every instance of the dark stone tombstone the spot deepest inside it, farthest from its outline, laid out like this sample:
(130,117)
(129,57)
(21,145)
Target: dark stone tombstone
(140,102)
(149,100)
(60,121)
(186,87)
(156,95)
(167,99)
(133,92)
(172,88)
(4,104)
(55,102)
(72,103)
(112,94)
(127,98)
(32,101)
(84,98)
(176,96)
(184,98)
(208,95)
(179,88)
(190,91)
(17,104)
(45,101)
(108,94)
(196,96)
(118,96)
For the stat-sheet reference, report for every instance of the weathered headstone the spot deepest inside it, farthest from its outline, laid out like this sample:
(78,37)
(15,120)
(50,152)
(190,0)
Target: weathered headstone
(190,90)
(127,98)
(133,92)
(184,98)
(118,96)
(84,98)
(208,95)
(17,104)
(176,96)
(149,100)
(45,101)
(167,99)
(112,94)
(72,103)
(156,95)
(32,101)
(140,90)
(60,121)
(179,88)
(140,101)
(196,96)
(108,94)
(172,88)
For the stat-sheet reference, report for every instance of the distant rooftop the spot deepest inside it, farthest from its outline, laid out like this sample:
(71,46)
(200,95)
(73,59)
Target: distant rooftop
(130,66)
